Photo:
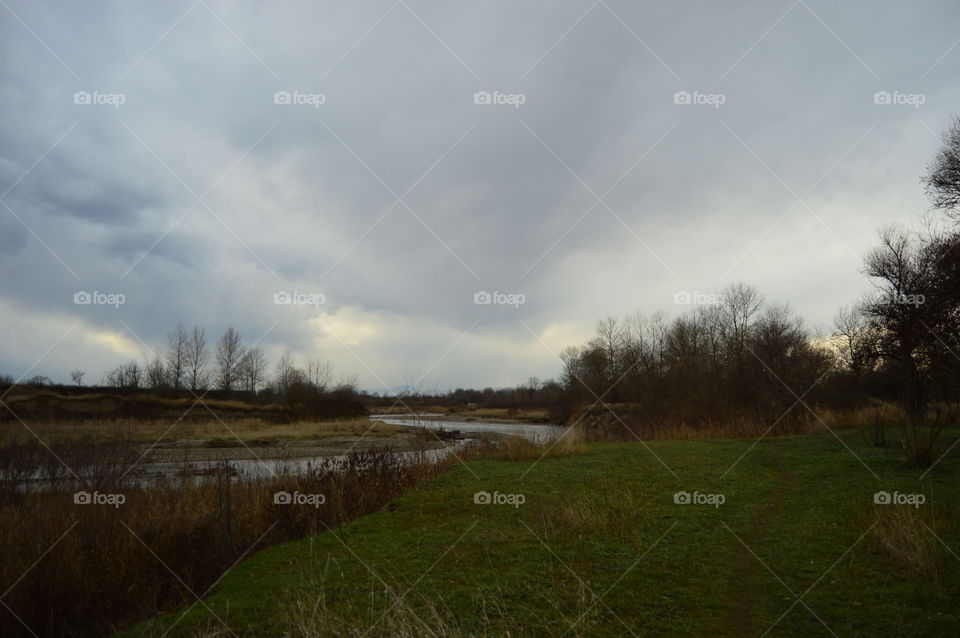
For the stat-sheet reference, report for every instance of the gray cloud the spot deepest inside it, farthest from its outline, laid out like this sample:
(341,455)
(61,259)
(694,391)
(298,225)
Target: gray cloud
(494,198)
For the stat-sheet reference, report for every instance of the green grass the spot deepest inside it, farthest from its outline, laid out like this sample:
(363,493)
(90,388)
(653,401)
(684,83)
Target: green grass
(600,548)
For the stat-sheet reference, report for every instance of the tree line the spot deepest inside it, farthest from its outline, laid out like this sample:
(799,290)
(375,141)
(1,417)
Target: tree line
(744,358)
(190,363)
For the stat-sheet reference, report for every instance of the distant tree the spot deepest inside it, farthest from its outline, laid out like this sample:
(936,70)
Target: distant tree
(127,375)
(157,374)
(287,374)
(77,377)
(197,357)
(178,345)
(228,355)
(252,369)
(319,374)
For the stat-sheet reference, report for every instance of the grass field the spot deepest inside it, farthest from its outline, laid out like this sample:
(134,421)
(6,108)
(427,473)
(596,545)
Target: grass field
(599,547)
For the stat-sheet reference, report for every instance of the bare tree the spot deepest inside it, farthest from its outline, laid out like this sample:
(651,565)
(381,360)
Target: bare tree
(229,352)
(178,344)
(252,369)
(131,375)
(197,357)
(77,377)
(287,374)
(855,339)
(156,371)
(319,374)
(943,179)
(912,315)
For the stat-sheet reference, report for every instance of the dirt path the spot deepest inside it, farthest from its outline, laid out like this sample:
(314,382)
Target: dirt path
(750,581)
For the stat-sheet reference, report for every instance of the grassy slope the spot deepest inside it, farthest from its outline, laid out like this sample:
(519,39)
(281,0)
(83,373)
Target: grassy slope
(585,533)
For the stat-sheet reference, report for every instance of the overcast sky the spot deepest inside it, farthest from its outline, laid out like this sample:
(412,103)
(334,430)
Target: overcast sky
(388,160)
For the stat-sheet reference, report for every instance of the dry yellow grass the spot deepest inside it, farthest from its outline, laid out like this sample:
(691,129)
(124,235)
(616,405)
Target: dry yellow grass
(902,533)
(150,431)
(516,447)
